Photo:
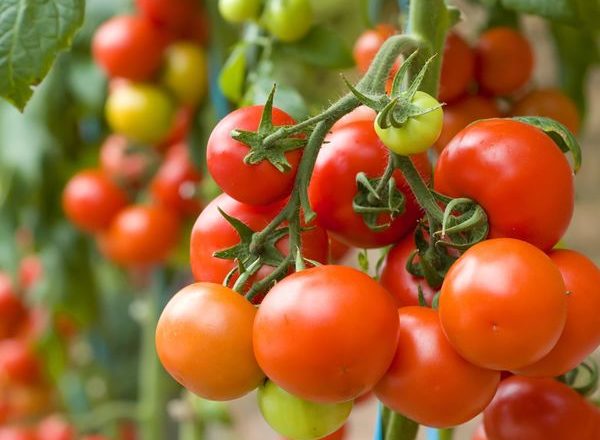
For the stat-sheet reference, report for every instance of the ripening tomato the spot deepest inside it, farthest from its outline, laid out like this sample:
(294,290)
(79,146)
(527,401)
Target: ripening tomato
(503,304)
(504,61)
(297,418)
(91,200)
(456,390)
(141,235)
(368,44)
(30,271)
(55,427)
(461,113)
(350,150)
(129,47)
(458,68)
(329,353)
(174,15)
(360,113)
(551,103)
(524,162)
(581,335)
(17,433)
(18,362)
(259,184)
(403,285)
(238,11)
(12,310)
(288,20)
(204,340)
(184,72)
(125,163)
(479,433)
(175,184)
(537,409)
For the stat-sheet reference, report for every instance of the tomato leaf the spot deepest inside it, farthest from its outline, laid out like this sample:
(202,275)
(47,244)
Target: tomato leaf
(573,12)
(233,74)
(560,134)
(31,35)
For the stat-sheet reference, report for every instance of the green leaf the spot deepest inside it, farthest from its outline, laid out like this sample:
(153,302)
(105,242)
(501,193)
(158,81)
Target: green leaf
(322,47)
(573,12)
(32,32)
(233,74)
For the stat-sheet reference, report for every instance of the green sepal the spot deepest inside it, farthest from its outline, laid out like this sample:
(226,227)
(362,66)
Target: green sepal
(371,203)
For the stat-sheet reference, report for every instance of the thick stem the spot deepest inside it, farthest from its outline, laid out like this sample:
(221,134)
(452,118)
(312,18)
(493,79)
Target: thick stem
(398,427)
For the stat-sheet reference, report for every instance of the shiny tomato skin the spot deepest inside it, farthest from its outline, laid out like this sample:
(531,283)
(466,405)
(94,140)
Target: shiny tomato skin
(537,409)
(259,184)
(204,340)
(504,61)
(581,335)
(331,353)
(360,113)
(510,167)
(551,103)
(458,68)
(403,285)
(12,309)
(18,362)
(503,304)
(55,427)
(129,47)
(91,200)
(333,187)
(174,15)
(368,44)
(123,162)
(457,389)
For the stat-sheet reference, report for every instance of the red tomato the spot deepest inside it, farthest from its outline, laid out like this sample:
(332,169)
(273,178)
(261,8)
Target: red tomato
(91,200)
(524,163)
(123,162)
(141,235)
(55,427)
(12,309)
(337,250)
(461,113)
(404,286)
(331,353)
(129,47)
(18,362)
(504,61)
(199,28)
(537,409)
(333,187)
(368,44)
(551,103)
(361,113)
(581,335)
(458,68)
(204,340)
(175,185)
(259,184)
(503,304)
(30,271)
(16,433)
(181,127)
(172,14)
(456,390)
(480,434)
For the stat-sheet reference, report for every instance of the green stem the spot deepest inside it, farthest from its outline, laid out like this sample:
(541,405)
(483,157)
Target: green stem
(398,427)
(446,434)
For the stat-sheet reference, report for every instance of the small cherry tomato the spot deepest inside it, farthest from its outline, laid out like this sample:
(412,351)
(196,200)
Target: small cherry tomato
(55,427)
(458,68)
(180,128)
(18,362)
(551,103)
(184,72)
(288,20)
(125,163)
(238,11)
(368,44)
(12,309)
(174,15)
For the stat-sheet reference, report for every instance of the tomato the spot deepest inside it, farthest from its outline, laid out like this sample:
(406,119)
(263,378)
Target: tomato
(91,200)
(141,235)
(424,358)
(331,353)
(259,184)
(361,113)
(175,185)
(238,11)
(297,418)
(503,304)
(213,233)
(18,362)
(184,72)
(142,112)
(333,187)
(524,163)
(581,335)
(129,47)
(198,30)
(404,286)
(461,113)
(55,428)
(368,44)
(551,103)
(418,133)
(16,433)
(288,20)
(180,128)
(458,68)
(123,162)
(172,14)
(204,340)
(537,409)
(504,61)
(480,434)
(337,250)
(30,271)
(12,309)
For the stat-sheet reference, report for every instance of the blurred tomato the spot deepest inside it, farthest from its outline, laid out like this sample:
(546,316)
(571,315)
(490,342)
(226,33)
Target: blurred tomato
(12,309)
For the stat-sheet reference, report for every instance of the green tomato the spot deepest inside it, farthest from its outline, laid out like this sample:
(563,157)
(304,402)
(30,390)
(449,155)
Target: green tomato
(288,20)
(144,113)
(238,11)
(418,133)
(184,72)
(299,419)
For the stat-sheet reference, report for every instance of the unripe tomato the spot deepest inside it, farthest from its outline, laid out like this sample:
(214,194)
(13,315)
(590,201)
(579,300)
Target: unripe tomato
(174,15)
(368,44)
(288,20)
(125,163)
(55,427)
(91,200)
(204,340)
(504,61)
(142,112)
(12,310)
(331,353)
(503,304)
(418,133)
(184,72)
(18,362)
(551,103)
(581,335)
(238,11)
(129,47)
(458,68)
(297,418)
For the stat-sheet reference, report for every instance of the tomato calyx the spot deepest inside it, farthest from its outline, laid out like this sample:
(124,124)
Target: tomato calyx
(583,378)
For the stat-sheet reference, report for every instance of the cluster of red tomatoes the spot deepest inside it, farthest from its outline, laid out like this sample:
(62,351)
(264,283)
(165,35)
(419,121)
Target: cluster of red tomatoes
(157,71)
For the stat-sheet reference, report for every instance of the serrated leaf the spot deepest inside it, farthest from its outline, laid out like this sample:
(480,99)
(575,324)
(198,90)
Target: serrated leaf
(233,74)
(32,33)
